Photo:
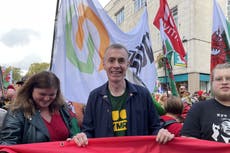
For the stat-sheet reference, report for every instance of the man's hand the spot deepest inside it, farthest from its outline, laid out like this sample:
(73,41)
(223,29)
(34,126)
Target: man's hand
(81,139)
(164,136)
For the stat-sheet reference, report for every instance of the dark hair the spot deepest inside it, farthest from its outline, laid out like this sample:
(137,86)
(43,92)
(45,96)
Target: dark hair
(21,82)
(24,99)
(174,105)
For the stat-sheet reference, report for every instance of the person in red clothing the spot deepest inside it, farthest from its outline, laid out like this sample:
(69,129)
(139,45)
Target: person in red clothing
(173,108)
(9,96)
(39,113)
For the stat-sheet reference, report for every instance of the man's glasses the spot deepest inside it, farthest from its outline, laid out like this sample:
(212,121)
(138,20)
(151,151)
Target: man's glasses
(222,79)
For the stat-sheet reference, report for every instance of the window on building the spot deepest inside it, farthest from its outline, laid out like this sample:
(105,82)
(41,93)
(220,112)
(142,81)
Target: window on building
(138,4)
(205,86)
(228,10)
(120,16)
(174,11)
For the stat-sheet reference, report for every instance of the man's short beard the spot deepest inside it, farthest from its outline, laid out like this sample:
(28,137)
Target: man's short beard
(223,98)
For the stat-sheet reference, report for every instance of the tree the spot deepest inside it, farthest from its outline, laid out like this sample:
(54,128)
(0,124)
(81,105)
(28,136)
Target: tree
(16,73)
(37,67)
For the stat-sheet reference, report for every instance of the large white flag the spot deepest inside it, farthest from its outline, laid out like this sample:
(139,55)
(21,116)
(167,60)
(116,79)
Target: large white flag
(83,32)
(220,52)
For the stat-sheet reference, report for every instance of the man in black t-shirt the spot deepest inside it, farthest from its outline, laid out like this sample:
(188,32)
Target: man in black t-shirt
(210,119)
(120,108)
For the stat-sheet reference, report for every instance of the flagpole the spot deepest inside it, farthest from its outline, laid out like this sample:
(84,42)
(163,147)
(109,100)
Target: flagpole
(1,81)
(2,89)
(165,67)
(54,33)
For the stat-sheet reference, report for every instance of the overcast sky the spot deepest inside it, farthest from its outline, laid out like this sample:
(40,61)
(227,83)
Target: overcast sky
(26,31)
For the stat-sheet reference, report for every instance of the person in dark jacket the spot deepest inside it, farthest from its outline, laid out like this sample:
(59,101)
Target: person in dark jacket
(120,108)
(39,114)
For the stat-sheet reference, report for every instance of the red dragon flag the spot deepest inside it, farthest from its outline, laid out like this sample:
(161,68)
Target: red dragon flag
(220,47)
(170,28)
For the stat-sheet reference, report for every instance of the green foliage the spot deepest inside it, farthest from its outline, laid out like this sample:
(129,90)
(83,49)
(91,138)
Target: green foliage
(16,72)
(160,62)
(37,67)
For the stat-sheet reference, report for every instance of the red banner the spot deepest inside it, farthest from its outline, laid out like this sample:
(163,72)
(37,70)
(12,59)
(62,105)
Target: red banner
(137,144)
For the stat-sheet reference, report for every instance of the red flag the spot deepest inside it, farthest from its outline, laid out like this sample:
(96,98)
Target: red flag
(7,78)
(170,28)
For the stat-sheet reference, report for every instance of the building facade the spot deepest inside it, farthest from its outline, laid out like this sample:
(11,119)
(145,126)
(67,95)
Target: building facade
(194,23)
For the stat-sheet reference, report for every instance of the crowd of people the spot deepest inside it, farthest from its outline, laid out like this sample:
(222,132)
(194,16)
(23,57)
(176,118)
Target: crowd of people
(37,111)
(173,110)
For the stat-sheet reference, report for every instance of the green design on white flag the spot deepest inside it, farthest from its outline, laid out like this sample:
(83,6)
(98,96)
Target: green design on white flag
(82,33)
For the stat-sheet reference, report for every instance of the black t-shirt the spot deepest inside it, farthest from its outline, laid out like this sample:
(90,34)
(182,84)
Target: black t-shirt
(208,120)
(119,115)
